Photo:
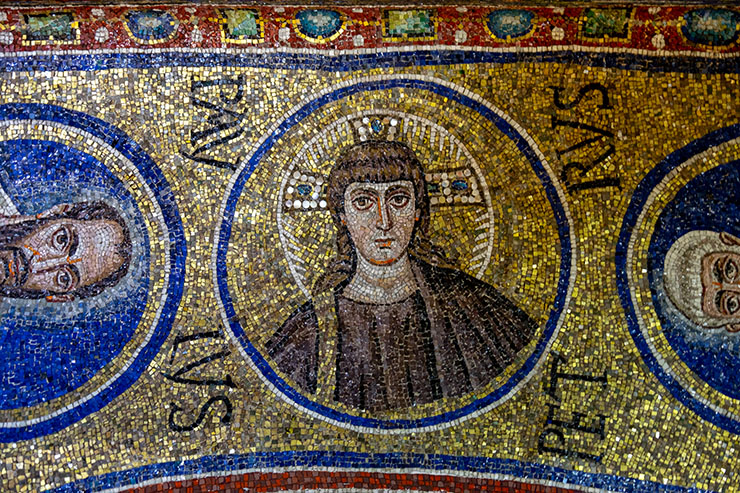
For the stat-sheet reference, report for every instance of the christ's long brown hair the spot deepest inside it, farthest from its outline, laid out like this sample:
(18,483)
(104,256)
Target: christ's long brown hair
(376,161)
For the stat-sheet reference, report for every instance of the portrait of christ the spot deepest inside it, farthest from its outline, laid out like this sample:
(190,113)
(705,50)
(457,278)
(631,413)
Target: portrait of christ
(411,328)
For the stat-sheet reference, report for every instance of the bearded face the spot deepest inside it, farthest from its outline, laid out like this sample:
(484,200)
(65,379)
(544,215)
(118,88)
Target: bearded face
(57,257)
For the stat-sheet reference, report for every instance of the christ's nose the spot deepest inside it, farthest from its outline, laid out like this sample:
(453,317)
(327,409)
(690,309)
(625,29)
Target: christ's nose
(50,264)
(384,218)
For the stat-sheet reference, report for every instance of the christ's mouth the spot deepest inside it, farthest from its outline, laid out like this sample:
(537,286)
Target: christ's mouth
(14,268)
(384,242)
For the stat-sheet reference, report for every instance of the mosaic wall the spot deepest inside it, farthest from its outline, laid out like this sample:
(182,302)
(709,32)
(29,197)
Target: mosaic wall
(370,249)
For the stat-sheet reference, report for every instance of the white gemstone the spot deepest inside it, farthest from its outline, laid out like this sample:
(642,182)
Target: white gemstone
(290,190)
(297,204)
(658,41)
(98,13)
(322,204)
(461,36)
(6,37)
(102,35)
(558,10)
(284,33)
(358,40)
(3,17)
(196,37)
(306,204)
(558,33)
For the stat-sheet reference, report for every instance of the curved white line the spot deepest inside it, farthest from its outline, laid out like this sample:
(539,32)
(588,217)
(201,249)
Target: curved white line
(553,178)
(158,313)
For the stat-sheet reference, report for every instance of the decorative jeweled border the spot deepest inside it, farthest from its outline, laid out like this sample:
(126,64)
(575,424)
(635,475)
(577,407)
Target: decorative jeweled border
(649,29)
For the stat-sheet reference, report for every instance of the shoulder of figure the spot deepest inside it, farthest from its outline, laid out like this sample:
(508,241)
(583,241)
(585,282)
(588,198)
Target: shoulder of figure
(301,325)
(305,315)
(451,284)
(448,279)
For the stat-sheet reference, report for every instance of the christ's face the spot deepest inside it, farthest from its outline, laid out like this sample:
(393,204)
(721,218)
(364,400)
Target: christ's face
(720,278)
(380,218)
(61,256)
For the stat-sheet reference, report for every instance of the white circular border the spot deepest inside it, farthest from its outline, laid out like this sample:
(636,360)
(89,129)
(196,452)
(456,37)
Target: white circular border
(158,215)
(555,182)
(631,282)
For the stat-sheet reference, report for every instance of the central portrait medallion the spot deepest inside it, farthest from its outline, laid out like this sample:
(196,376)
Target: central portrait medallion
(394,256)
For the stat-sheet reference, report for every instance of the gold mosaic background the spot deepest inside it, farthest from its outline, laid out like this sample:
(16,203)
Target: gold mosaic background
(649,435)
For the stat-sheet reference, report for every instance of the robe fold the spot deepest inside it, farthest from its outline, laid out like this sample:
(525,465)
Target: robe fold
(451,337)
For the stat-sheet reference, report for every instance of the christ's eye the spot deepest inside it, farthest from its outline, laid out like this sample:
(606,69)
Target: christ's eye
(728,302)
(399,200)
(732,304)
(60,239)
(362,202)
(63,280)
(730,270)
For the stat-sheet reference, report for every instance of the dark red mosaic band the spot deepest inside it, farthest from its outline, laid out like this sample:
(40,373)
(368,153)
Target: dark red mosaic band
(310,480)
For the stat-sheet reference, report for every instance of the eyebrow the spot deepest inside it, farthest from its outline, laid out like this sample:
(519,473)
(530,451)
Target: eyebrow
(73,243)
(370,191)
(397,188)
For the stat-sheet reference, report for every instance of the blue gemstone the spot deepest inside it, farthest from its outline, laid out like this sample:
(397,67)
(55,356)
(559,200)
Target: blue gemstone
(319,23)
(304,189)
(510,23)
(459,185)
(715,27)
(376,125)
(151,24)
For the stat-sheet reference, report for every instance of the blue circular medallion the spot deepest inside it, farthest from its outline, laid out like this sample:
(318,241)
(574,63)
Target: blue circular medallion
(319,24)
(690,268)
(712,27)
(148,26)
(553,195)
(81,317)
(508,24)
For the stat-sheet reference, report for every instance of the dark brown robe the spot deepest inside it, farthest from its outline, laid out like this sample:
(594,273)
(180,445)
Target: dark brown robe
(451,337)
